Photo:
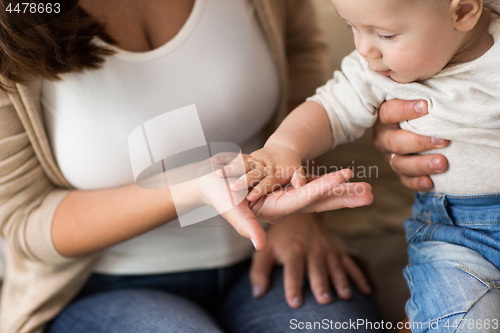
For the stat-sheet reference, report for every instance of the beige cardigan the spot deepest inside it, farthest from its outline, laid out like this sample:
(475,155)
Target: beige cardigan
(39,281)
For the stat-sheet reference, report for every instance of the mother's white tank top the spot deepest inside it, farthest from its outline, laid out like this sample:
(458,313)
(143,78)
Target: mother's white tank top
(220,62)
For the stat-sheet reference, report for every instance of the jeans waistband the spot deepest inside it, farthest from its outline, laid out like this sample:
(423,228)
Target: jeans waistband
(472,211)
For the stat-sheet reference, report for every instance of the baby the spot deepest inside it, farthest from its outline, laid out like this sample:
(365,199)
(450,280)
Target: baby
(446,52)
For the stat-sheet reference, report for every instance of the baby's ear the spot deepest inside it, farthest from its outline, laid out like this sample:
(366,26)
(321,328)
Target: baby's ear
(466,13)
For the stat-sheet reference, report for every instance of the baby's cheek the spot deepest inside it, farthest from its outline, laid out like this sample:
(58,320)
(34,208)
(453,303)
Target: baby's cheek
(401,72)
(428,64)
(410,68)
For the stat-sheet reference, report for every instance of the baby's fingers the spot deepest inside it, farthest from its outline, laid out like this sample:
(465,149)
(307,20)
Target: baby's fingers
(250,179)
(299,178)
(224,158)
(265,186)
(273,180)
(231,170)
(239,167)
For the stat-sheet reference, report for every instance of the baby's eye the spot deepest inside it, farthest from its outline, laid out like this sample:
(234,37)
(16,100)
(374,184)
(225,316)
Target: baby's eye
(387,37)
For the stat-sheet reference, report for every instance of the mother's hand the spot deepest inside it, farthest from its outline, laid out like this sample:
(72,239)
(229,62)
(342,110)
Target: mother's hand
(301,243)
(327,192)
(388,138)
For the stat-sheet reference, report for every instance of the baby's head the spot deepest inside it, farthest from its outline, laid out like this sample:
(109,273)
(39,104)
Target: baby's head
(411,40)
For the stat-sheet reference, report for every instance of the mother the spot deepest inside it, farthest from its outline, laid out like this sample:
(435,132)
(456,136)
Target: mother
(87,246)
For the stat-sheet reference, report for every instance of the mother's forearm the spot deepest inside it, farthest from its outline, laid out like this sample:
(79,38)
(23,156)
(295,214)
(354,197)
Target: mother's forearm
(87,221)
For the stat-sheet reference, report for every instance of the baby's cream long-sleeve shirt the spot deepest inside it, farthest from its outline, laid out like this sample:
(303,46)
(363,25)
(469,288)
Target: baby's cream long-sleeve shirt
(464,107)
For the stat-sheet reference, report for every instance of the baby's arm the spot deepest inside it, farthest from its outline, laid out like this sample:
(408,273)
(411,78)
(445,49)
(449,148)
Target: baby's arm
(306,133)
(306,130)
(339,112)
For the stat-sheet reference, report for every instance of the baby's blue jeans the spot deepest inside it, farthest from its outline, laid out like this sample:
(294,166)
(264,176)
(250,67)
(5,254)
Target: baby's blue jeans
(454,263)
(212,300)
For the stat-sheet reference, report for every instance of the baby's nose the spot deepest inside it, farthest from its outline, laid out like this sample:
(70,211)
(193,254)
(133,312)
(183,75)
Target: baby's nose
(368,50)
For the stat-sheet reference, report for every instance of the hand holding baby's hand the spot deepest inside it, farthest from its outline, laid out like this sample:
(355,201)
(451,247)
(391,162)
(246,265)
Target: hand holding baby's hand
(267,169)
(315,194)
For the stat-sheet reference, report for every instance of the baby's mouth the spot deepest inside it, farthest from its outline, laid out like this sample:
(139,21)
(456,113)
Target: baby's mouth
(385,73)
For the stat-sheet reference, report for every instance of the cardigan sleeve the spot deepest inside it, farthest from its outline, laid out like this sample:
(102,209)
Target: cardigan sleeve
(306,49)
(28,199)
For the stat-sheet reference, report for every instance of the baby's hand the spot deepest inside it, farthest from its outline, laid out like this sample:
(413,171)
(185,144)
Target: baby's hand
(267,169)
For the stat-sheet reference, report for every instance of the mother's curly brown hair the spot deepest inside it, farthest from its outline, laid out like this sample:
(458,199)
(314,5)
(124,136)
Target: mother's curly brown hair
(59,46)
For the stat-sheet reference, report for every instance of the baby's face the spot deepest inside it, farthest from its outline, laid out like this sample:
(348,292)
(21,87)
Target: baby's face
(408,40)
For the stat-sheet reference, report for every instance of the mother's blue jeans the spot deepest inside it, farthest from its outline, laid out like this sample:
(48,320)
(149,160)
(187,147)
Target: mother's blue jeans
(214,300)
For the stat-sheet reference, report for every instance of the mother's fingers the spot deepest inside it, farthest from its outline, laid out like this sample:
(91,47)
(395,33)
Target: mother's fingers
(347,195)
(327,182)
(317,271)
(380,136)
(293,272)
(422,183)
(419,165)
(313,191)
(285,201)
(260,272)
(246,224)
(404,142)
(310,177)
(356,274)
(395,111)
(338,276)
